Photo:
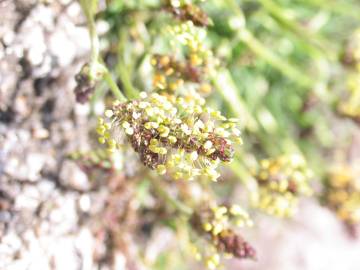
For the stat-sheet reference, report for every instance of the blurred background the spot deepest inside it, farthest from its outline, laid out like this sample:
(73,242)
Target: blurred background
(288,69)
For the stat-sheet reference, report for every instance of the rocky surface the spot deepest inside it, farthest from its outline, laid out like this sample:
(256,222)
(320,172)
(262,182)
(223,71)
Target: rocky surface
(44,210)
(52,216)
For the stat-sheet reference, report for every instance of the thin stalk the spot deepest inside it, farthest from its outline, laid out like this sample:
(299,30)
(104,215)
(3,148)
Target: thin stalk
(181,207)
(96,64)
(113,87)
(278,13)
(274,60)
(226,87)
(89,9)
(122,69)
(336,7)
(266,54)
(313,51)
(130,91)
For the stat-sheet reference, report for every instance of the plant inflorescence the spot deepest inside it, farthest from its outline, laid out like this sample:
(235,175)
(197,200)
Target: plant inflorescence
(342,194)
(216,225)
(176,122)
(350,106)
(175,135)
(281,181)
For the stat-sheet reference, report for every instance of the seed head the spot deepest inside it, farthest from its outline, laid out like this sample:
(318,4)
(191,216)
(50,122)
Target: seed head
(281,181)
(351,55)
(174,135)
(342,194)
(215,224)
(350,105)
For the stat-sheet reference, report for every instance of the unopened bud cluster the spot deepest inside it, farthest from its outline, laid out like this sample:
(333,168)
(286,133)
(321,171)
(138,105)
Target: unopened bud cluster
(174,135)
(342,194)
(85,86)
(86,80)
(280,182)
(215,223)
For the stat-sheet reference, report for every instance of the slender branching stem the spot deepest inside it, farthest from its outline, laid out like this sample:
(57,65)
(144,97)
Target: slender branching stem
(96,64)
(113,87)
(160,190)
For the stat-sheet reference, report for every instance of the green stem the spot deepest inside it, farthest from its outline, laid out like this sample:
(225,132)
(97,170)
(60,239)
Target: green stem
(89,9)
(96,66)
(274,60)
(336,7)
(263,52)
(129,90)
(95,47)
(226,87)
(279,14)
(158,185)
(113,87)
(312,50)
(122,69)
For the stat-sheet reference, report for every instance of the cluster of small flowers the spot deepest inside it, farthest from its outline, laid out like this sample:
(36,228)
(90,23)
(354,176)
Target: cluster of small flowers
(187,12)
(174,135)
(192,38)
(350,106)
(171,74)
(352,51)
(342,194)
(190,71)
(216,224)
(280,181)
(198,63)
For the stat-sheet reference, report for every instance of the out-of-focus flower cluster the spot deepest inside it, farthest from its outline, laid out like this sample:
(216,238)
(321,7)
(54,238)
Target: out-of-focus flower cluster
(192,68)
(352,51)
(171,74)
(280,182)
(178,136)
(185,11)
(185,74)
(192,42)
(342,194)
(216,225)
(350,106)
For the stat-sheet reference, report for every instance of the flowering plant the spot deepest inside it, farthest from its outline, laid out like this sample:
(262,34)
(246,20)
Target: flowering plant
(176,124)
